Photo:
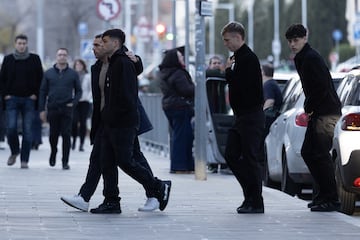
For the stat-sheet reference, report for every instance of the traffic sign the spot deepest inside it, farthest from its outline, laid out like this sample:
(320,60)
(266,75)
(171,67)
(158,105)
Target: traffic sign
(108,9)
(357,31)
(337,35)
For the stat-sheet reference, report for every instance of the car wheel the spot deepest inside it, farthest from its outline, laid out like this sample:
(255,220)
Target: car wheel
(287,184)
(346,198)
(268,182)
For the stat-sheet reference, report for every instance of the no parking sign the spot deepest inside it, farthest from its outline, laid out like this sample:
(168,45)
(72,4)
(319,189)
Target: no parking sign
(108,9)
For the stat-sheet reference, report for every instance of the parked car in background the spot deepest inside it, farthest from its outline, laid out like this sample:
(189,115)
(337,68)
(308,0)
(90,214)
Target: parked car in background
(283,78)
(284,167)
(346,143)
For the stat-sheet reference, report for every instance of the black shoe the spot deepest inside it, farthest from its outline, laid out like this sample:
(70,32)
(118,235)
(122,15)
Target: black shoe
(66,167)
(326,207)
(164,194)
(81,148)
(52,159)
(107,208)
(249,209)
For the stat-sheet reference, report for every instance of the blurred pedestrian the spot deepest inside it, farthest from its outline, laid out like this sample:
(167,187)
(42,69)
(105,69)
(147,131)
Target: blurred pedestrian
(272,96)
(243,148)
(82,109)
(36,130)
(59,93)
(178,105)
(323,108)
(20,79)
(2,125)
(215,67)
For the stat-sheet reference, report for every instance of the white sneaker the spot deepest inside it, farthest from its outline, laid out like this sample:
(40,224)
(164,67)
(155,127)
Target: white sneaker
(150,205)
(2,145)
(77,202)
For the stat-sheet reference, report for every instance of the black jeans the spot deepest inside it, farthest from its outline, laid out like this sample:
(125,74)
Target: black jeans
(242,153)
(60,121)
(117,149)
(316,154)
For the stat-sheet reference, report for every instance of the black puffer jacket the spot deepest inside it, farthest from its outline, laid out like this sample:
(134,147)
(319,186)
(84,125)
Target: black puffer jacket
(176,84)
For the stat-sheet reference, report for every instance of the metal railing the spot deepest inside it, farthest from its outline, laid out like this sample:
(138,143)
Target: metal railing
(156,140)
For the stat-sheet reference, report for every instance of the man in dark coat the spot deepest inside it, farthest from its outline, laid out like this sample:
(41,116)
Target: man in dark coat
(81,200)
(119,124)
(323,108)
(244,141)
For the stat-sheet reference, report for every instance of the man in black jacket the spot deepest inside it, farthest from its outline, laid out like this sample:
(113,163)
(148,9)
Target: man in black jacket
(20,79)
(81,200)
(118,126)
(243,74)
(323,108)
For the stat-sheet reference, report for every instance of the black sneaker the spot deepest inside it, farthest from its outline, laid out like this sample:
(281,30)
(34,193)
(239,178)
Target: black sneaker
(326,207)
(107,208)
(164,194)
(52,159)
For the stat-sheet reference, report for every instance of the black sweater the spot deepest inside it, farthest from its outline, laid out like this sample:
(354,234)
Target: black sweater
(21,78)
(245,82)
(321,97)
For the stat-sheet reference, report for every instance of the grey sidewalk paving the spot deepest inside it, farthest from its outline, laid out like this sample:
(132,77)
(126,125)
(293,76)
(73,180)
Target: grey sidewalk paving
(30,207)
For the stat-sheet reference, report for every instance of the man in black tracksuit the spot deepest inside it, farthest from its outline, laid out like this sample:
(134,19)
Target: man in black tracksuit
(323,108)
(243,74)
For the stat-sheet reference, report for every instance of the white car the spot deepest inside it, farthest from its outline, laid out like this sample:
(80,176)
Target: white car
(346,143)
(284,167)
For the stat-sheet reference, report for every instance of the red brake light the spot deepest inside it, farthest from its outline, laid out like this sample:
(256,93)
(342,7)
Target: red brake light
(351,122)
(357,182)
(301,119)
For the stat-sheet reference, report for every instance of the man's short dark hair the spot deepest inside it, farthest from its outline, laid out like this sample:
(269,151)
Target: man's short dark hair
(22,37)
(295,31)
(115,33)
(268,69)
(233,27)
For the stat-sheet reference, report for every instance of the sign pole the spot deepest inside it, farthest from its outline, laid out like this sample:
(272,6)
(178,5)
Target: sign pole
(201,131)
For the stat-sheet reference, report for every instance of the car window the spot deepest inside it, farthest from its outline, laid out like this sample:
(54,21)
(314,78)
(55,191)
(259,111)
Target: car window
(353,96)
(345,87)
(292,96)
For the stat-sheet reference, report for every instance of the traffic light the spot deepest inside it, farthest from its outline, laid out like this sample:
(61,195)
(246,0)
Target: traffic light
(161,31)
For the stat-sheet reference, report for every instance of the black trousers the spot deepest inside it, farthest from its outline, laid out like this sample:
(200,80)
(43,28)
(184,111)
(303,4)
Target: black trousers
(60,121)
(316,154)
(242,153)
(117,149)
(111,190)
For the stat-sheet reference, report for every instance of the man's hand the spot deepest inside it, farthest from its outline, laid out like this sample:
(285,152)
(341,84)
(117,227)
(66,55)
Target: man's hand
(230,61)
(43,116)
(132,56)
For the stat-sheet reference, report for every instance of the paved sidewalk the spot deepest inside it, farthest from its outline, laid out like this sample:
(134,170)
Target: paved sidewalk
(30,207)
